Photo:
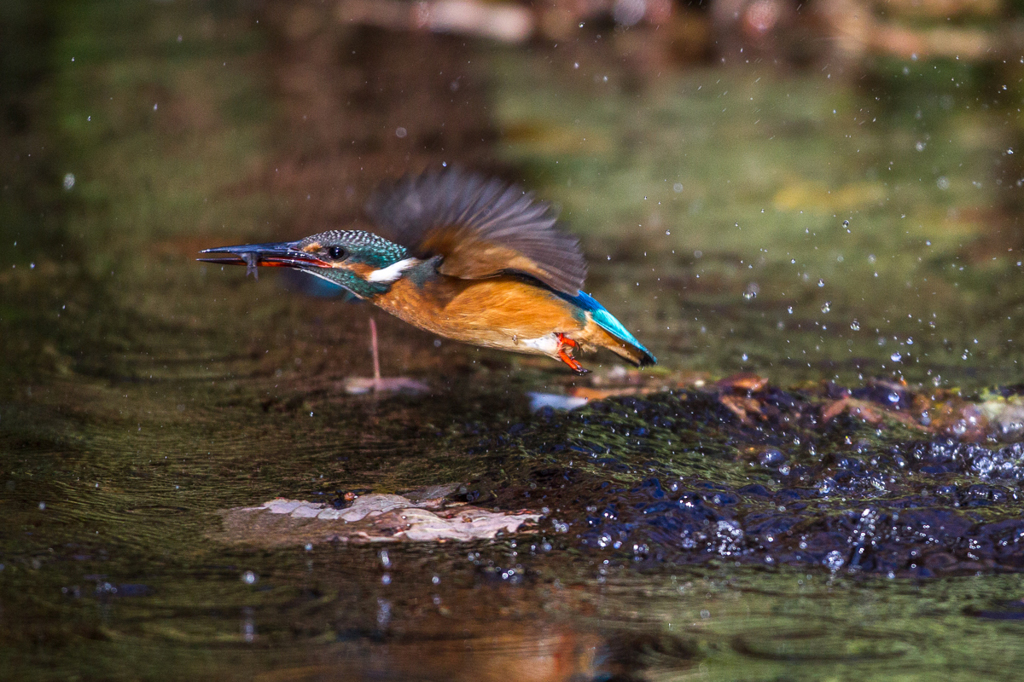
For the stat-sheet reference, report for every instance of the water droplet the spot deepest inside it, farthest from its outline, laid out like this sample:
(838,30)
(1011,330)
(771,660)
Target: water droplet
(896,357)
(855,326)
(249,578)
(821,282)
(771,457)
(827,307)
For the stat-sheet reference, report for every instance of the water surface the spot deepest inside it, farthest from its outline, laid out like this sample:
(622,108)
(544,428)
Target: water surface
(838,232)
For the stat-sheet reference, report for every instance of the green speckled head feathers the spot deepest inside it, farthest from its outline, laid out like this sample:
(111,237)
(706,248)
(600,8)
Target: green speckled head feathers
(345,251)
(358,246)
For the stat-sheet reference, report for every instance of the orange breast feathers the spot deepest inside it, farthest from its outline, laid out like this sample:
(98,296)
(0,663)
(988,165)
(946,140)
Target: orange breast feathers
(501,312)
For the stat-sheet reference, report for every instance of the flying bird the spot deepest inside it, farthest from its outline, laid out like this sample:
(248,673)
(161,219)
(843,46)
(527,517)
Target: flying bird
(465,257)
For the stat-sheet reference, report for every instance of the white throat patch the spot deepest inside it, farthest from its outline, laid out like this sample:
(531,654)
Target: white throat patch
(392,272)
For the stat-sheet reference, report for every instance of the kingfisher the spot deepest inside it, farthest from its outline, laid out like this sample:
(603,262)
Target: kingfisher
(465,257)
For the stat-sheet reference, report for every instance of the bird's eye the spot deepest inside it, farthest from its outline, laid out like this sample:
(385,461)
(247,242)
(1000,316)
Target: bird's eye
(336,252)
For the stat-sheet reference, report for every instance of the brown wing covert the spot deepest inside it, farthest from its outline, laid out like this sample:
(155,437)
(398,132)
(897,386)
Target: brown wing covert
(481,227)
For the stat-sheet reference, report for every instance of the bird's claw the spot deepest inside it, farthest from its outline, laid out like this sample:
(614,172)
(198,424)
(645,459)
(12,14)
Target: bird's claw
(564,354)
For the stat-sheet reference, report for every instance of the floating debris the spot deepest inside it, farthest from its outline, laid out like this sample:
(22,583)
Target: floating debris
(555,401)
(370,518)
(363,385)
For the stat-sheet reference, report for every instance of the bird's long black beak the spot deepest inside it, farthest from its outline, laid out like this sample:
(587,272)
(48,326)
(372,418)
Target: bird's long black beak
(276,254)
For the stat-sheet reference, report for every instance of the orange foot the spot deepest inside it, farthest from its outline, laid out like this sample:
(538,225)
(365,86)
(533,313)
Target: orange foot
(564,354)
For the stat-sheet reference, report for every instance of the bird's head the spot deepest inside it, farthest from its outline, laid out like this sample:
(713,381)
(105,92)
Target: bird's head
(359,261)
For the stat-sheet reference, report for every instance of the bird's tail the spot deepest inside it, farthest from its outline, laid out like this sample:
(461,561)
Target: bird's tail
(621,342)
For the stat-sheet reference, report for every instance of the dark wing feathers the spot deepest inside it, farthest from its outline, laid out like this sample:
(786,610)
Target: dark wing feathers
(481,227)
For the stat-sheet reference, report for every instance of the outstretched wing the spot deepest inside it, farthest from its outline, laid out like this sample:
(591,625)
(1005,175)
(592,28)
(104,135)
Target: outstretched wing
(480,227)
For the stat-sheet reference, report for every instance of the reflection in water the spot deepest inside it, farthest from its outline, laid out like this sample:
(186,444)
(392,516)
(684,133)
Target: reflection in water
(518,652)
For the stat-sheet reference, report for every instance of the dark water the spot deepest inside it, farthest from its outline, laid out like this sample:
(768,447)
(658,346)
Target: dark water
(850,234)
